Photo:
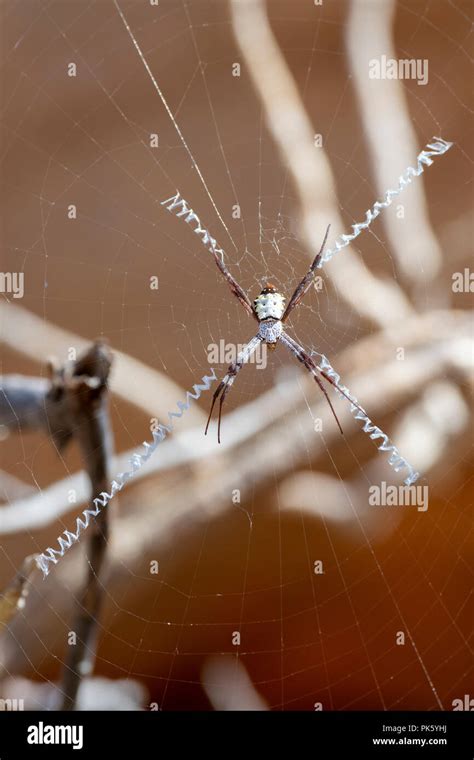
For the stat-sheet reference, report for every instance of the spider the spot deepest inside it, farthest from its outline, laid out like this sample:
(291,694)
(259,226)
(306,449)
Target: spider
(270,312)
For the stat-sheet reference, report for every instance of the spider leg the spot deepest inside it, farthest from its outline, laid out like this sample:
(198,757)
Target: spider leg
(225,385)
(214,399)
(305,359)
(236,289)
(312,367)
(295,347)
(329,402)
(330,380)
(221,401)
(306,282)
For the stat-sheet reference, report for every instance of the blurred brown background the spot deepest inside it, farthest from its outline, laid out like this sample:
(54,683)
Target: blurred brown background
(305,638)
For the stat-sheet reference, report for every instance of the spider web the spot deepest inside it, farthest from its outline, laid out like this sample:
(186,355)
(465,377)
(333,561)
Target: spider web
(228,567)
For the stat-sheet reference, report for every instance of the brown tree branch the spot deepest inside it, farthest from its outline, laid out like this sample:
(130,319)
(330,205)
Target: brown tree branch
(81,390)
(431,332)
(71,404)
(13,598)
(308,167)
(391,137)
(276,437)
(132,380)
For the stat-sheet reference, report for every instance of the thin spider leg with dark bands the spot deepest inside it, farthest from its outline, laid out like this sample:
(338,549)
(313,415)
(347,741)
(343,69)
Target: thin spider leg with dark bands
(214,399)
(221,402)
(328,400)
(226,384)
(236,289)
(335,385)
(224,387)
(306,282)
(306,360)
(311,365)
(295,347)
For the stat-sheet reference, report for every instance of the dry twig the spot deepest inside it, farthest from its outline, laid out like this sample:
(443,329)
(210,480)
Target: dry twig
(308,167)
(13,598)
(203,492)
(387,123)
(72,404)
(132,380)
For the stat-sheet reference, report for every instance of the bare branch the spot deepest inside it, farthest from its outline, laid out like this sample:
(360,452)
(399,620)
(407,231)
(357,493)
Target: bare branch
(72,404)
(284,425)
(425,431)
(22,403)
(131,380)
(388,125)
(310,169)
(12,487)
(228,686)
(80,391)
(428,336)
(13,598)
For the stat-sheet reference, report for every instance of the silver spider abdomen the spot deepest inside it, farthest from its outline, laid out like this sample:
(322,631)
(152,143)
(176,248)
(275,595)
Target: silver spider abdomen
(269,305)
(270,330)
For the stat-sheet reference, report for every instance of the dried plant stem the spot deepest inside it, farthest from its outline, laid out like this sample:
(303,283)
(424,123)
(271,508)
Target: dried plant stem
(308,168)
(72,404)
(88,401)
(388,124)
(284,425)
(132,380)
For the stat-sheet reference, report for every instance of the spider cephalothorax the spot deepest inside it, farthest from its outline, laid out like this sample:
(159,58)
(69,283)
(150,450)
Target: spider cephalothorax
(270,312)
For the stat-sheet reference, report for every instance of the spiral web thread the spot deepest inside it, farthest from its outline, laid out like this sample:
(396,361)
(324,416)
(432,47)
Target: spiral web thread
(183,210)
(177,204)
(68,538)
(395,459)
(437,147)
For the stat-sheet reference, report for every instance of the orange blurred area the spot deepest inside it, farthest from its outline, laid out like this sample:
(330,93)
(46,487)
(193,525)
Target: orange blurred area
(227,565)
